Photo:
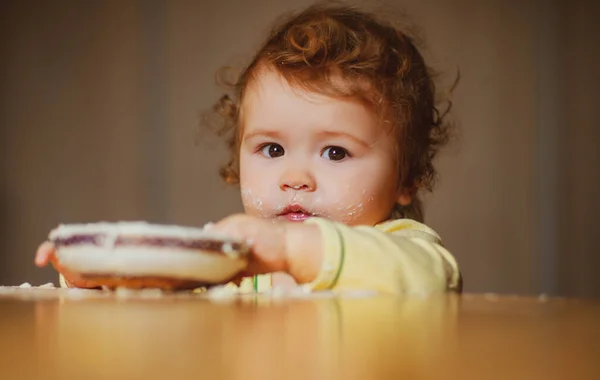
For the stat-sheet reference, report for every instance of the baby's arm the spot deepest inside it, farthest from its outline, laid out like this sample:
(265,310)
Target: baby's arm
(404,258)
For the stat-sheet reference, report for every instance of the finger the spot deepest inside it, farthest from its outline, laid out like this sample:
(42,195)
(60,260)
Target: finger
(73,279)
(237,280)
(257,267)
(232,226)
(79,282)
(44,254)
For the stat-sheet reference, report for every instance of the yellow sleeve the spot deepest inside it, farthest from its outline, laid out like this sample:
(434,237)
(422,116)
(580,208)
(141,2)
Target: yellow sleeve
(397,257)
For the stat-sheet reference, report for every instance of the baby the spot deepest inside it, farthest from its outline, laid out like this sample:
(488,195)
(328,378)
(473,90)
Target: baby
(334,128)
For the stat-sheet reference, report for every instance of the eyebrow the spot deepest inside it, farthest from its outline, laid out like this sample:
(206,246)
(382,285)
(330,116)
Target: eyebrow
(346,135)
(262,133)
(326,133)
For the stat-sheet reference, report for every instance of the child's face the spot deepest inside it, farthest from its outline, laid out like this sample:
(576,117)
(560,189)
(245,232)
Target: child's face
(303,154)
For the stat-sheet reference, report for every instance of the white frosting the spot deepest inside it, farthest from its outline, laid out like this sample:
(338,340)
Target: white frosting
(137,229)
(150,261)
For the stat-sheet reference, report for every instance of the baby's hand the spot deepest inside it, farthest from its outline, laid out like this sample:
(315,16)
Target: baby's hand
(276,246)
(266,238)
(46,254)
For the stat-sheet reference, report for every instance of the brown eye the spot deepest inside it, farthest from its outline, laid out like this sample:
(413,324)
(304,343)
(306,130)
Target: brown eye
(272,150)
(335,153)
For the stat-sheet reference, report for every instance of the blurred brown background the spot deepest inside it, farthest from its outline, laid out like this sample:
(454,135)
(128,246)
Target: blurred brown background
(99,102)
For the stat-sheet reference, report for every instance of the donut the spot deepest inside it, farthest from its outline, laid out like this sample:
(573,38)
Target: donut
(143,255)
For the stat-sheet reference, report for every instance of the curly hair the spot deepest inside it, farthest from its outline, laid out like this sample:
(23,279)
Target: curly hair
(340,51)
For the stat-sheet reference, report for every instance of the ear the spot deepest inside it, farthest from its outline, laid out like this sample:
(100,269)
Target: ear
(404,197)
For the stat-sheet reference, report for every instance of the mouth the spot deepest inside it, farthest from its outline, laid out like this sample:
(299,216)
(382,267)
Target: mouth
(295,213)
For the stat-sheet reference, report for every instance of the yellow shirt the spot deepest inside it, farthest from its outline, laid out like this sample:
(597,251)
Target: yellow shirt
(395,257)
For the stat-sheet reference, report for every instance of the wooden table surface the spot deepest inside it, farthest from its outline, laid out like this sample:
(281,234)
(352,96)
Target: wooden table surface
(76,334)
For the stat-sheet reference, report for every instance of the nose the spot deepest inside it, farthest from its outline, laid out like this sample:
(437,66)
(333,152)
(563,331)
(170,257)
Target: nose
(297,179)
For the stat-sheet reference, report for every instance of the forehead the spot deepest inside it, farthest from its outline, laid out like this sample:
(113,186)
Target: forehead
(270,102)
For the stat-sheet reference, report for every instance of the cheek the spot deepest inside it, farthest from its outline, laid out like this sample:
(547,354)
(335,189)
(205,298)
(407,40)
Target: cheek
(365,195)
(257,189)
(250,173)
(372,179)
(250,187)
(253,204)
(254,174)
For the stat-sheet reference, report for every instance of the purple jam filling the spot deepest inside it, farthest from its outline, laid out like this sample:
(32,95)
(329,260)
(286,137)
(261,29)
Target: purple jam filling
(77,239)
(199,244)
